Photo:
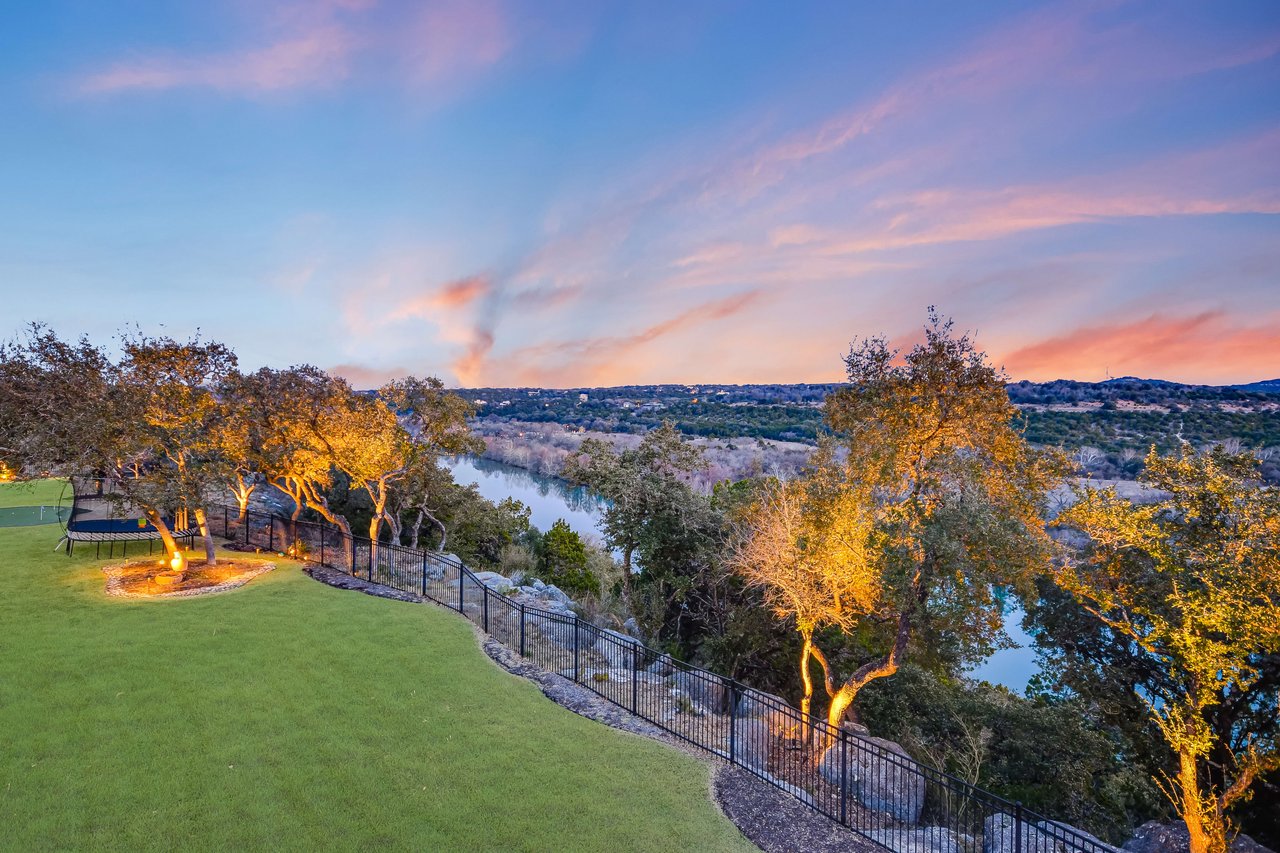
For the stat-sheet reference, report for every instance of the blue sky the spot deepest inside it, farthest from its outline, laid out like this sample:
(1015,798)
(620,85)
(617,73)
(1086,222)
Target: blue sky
(568,194)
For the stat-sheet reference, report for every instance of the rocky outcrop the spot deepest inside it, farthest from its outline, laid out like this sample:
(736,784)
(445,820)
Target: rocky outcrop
(928,839)
(1001,833)
(619,649)
(879,775)
(751,742)
(1155,837)
(702,688)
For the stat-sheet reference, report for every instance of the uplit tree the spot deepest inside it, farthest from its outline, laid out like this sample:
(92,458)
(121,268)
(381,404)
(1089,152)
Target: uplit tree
(145,423)
(171,387)
(936,501)
(809,548)
(1192,579)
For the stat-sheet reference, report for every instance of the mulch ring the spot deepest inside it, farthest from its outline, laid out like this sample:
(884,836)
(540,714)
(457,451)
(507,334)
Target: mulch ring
(136,579)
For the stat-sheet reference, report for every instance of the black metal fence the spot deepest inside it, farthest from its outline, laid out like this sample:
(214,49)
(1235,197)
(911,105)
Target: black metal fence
(865,784)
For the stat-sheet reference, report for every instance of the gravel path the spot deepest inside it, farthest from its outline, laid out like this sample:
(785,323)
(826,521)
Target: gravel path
(771,819)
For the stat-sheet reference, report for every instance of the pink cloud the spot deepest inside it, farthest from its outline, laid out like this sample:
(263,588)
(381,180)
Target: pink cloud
(439,45)
(363,377)
(457,38)
(452,296)
(610,358)
(317,57)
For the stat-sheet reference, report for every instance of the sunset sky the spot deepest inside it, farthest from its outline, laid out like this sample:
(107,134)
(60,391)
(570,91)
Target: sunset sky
(578,194)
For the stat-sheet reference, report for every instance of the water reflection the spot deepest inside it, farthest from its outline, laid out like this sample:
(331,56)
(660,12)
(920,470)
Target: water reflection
(548,499)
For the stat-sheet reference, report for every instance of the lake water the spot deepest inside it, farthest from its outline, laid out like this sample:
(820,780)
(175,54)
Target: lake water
(550,499)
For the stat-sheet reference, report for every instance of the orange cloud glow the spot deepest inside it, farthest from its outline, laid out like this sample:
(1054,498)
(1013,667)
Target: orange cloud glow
(1207,347)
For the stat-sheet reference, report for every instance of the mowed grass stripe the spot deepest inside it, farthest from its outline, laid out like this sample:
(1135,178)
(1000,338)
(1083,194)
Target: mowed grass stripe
(289,715)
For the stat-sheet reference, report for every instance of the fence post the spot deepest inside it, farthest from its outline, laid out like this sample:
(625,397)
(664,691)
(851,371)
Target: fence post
(322,538)
(353,553)
(575,647)
(462,580)
(635,679)
(844,777)
(424,574)
(370,569)
(733,724)
(1017,827)
(522,629)
(485,587)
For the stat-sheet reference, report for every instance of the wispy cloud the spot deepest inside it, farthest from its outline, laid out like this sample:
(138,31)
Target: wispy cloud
(363,377)
(313,54)
(608,358)
(452,296)
(436,46)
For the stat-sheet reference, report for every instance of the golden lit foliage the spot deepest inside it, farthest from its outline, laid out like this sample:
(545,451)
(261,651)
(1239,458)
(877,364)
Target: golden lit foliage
(932,500)
(1194,580)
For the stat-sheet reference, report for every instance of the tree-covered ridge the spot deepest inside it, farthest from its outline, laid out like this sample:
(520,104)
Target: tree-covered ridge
(1111,425)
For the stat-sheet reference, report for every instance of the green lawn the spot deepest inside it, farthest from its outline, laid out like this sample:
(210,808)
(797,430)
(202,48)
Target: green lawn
(289,715)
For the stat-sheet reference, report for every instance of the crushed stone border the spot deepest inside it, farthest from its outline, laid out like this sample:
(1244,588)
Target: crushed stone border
(772,819)
(115,588)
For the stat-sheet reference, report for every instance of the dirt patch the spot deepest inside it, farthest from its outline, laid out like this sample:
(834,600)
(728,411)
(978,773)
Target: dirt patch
(137,579)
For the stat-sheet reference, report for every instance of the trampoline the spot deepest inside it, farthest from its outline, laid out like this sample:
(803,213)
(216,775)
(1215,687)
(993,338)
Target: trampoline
(97,513)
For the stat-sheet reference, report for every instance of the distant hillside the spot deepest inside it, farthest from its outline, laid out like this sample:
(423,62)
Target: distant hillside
(1108,425)
(1269,386)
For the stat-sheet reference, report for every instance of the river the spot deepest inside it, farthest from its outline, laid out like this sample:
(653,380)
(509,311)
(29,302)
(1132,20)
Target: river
(550,499)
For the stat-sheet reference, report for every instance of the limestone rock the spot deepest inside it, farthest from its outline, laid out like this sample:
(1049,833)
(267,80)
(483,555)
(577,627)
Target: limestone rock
(702,688)
(1156,837)
(751,742)
(885,779)
(929,839)
(618,649)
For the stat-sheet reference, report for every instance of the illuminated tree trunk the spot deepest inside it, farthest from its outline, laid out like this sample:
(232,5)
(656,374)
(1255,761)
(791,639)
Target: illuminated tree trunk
(806,657)
(842,698)
(243,489)
(177,561)
(1191,806)
(210,551)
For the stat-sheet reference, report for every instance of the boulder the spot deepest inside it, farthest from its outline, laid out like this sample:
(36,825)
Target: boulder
(751,742)
(618,649)
(631,626)
(664,665)
(557,629)
(1156,837)
(702,688)
(928,839)
(783,719)
(553,591)
(1071,838)
(1001,833)
(494,581)
(880,776)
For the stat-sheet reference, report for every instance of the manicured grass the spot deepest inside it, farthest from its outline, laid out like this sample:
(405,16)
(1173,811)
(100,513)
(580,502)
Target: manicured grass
(46,492)
(289,715)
